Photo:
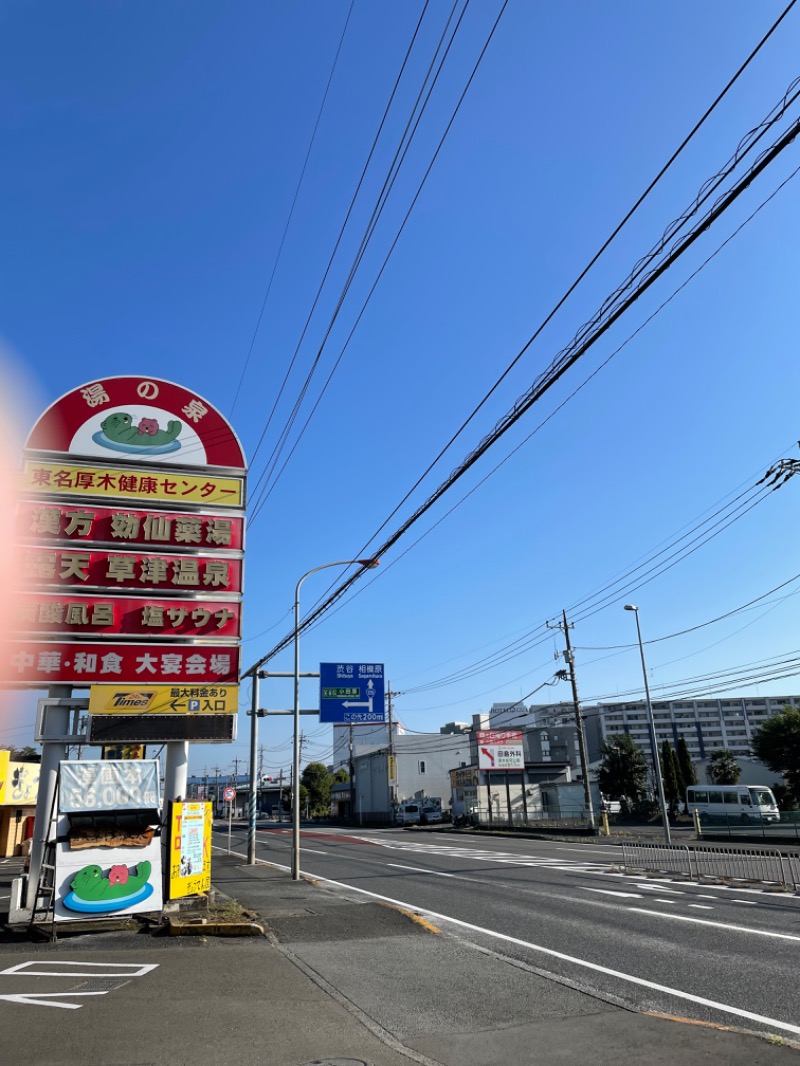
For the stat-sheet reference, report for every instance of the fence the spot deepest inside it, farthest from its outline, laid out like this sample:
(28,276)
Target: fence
(715,863)
(554,817)
(732,826)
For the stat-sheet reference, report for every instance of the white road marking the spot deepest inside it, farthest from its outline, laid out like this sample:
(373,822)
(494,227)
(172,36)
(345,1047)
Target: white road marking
(657,900)
(112,969)
(660,888)
(418,870)
(716,925)
(701,906)
(47,999)
(747,902)
(716,898)
(676,992)
(611,892)
(315,851)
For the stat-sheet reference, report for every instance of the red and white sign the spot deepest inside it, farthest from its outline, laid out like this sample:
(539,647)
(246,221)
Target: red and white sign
(500,749)
(77,567)
(126,616)
(123,527)
(229,794)
(120,463)
(83,663)
(139,419)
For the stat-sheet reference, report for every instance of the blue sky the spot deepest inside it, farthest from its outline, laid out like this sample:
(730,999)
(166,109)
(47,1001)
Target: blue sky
(151,157)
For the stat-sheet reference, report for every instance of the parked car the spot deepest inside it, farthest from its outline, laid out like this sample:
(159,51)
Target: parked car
(429,815)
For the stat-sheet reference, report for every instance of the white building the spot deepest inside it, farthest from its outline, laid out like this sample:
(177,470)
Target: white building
(705,725)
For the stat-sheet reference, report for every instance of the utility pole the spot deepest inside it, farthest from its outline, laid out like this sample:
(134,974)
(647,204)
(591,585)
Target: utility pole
(569,658)
(280,796)
(215,808)
(352,782)
(392,759)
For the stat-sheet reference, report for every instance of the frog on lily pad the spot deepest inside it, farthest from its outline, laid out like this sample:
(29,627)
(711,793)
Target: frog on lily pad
(90,885)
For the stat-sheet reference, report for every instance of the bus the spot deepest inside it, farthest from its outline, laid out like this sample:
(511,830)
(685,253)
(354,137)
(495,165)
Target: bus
(744,803)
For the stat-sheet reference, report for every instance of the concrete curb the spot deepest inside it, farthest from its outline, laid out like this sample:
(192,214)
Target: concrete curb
(211,927)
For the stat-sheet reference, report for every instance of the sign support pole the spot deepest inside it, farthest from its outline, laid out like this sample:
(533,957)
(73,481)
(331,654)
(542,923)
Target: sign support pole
(253,800)
(52,754)
(175,778)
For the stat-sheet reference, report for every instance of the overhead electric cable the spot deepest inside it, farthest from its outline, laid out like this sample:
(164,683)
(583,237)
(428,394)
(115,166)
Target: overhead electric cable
(291,209)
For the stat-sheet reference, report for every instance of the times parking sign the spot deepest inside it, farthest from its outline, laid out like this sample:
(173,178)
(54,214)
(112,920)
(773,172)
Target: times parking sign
(351,693)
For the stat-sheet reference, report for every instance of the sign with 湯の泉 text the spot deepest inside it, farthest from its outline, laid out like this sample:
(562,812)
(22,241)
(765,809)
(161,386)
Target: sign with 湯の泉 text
(351,693)
(138,419)
(107,785)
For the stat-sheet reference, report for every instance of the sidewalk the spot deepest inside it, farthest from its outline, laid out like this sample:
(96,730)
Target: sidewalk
(336,981)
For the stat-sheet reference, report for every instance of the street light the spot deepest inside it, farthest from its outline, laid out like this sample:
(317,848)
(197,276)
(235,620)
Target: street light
(368,564)
(656,758)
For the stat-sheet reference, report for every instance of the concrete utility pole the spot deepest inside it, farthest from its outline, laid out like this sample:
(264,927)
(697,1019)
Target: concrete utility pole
(350,770)
(392,760)
(587,788)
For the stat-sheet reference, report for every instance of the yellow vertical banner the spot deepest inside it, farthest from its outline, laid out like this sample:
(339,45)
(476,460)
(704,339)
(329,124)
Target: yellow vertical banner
(189,849)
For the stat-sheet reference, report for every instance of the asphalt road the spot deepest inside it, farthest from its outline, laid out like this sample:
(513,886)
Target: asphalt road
(724,955)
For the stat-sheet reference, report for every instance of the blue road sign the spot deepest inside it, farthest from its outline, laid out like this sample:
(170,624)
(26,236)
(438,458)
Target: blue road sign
(351,693)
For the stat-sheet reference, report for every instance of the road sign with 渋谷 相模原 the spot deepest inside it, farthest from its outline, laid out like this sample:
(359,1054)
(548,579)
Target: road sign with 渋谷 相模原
(351,693)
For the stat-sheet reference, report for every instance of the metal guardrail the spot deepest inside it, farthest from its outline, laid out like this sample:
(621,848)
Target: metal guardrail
(758,865)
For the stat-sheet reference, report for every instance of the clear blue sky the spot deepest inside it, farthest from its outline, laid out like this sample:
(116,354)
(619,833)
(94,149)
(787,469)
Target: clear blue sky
(151,154)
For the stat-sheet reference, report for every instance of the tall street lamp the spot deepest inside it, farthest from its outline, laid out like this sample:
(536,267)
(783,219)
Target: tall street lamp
(368,564)
(653,742)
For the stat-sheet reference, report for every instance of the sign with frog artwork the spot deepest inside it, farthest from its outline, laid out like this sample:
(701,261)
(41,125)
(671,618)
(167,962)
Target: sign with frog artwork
(107,881)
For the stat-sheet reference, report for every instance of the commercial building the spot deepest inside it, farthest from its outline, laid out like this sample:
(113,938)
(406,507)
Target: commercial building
(705,724)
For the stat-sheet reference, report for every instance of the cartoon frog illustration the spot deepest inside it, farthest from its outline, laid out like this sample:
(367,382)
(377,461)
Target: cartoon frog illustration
(90,886)
(119,428)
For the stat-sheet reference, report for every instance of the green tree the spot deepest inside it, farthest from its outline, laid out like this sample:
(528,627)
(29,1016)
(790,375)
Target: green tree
(623,770)
(669,776)
(26,754)
(688,769)
(340,776)
(676,764)
(723,769)
(318,781)
(777,744)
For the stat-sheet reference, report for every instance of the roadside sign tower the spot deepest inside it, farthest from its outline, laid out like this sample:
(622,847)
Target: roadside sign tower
(130,529)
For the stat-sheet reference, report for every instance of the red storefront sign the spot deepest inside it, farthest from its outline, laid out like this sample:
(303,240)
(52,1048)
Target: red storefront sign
(82,568)
(42,663)
(123,527)
(129,616)
(138,419)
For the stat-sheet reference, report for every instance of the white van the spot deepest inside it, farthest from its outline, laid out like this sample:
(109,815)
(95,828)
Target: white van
(408,814)
(743,803)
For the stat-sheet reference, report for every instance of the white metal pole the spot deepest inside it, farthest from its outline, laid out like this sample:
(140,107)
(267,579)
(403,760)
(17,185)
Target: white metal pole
(296,739)
(253,805)
(367,563)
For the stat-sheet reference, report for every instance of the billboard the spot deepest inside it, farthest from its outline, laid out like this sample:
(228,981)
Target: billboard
(500,749)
